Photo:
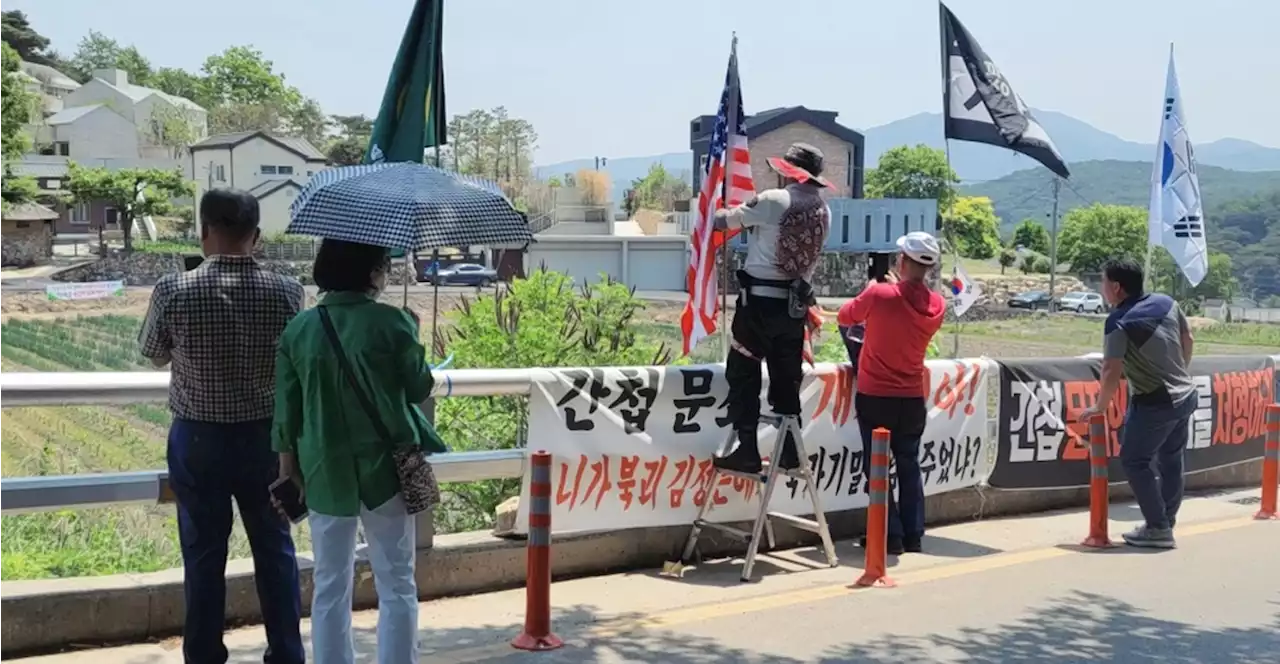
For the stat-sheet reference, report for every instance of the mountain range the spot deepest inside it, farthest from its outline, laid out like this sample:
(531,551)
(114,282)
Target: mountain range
(1028,194)
(1079,142)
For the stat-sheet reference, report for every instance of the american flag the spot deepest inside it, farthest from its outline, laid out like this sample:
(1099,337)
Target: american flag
(729,136)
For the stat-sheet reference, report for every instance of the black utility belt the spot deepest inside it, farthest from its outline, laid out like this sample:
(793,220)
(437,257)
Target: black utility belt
(797,293)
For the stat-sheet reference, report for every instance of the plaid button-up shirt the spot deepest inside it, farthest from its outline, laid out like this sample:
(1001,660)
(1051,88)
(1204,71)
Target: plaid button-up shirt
(220,324)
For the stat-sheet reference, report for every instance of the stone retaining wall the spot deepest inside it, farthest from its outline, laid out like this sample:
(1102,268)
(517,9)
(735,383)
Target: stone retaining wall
(145,269)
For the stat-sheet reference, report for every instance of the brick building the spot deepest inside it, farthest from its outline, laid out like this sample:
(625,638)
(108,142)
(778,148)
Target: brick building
(770,132)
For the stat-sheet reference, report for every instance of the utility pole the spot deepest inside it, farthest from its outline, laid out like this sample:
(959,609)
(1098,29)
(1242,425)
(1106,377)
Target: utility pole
(1053,244)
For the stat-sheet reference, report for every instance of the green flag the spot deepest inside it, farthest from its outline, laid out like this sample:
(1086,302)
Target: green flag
(412,116)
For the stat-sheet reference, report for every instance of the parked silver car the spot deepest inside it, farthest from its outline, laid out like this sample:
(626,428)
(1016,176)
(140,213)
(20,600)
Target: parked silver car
(1082,302)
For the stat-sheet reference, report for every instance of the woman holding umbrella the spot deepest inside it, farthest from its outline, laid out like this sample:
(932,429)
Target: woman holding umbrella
(350,373)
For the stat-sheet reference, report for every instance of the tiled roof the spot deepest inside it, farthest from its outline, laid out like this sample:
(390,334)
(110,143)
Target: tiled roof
(68,115)
(266,187)
(29,212)
(44,73)
(300,146)
(139,92)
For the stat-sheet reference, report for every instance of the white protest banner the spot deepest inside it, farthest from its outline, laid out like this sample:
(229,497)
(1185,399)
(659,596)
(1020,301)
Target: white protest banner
(91,290)
(632,446)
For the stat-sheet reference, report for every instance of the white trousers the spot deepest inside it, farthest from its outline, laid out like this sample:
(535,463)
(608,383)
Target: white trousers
(389,530)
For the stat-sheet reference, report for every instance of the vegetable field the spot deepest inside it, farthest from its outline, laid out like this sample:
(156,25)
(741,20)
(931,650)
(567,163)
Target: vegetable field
(87,439)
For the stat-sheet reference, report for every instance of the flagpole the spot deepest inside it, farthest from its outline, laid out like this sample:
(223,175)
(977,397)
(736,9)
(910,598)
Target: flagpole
(435,285)
(731,120)
(944,52)
(1052,245)
(955,251)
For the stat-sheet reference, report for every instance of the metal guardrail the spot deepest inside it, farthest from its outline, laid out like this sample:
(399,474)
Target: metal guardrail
(23,495)
(20,495)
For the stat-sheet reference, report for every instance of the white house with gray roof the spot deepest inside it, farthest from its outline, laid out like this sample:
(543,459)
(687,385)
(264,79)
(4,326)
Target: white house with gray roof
(272,168)
(150,111)
(52,85)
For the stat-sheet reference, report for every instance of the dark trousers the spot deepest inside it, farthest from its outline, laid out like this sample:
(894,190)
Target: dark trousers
(764,328)
(209,465)
(1156,434)
(905,419)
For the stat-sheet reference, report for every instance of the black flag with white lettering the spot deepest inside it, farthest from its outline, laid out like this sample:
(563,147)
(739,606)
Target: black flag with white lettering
(979,104)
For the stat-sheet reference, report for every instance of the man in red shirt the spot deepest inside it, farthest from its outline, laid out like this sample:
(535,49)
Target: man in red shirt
(900,317)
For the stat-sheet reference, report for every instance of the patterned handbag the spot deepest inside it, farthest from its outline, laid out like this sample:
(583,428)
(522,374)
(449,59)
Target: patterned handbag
(418,486)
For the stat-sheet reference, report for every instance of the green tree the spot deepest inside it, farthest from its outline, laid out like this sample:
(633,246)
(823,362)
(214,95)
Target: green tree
(98,51)
(180,83)
(657,190)
(346,151)
(972,226)
(246,93)
(1219,282)
(349,146)
(1008,258)
(1032,235)
(16,189)
(171,127)
(914,172)
(30,45)
(135,192)
(233,117)
(307,120)
(17,103)
(135,64)
(492,144)
(353,125)
(542,321)
(242,75)
(1092,235)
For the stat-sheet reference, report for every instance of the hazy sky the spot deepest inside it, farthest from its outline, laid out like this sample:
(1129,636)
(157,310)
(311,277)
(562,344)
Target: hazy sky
(623,78)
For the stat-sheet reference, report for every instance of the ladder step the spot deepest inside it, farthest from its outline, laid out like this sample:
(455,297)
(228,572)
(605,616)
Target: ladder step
(797,522)
(794,473)
(760,477)
(728,530)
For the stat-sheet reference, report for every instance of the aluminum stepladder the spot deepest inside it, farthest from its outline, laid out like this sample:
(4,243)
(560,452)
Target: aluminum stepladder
(768,478)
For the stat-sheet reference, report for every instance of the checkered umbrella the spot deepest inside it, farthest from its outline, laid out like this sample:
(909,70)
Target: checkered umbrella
(406,206)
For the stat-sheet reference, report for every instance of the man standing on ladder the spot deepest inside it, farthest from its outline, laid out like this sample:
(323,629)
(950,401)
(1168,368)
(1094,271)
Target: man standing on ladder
(901,316)
(786,230)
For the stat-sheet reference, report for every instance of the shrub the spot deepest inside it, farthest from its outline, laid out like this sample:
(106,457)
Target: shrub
(541,321)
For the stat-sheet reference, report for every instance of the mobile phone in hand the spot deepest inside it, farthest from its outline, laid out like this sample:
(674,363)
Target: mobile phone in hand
(287,493)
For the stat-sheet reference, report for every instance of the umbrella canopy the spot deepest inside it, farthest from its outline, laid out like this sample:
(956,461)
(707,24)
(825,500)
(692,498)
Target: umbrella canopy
(406,206)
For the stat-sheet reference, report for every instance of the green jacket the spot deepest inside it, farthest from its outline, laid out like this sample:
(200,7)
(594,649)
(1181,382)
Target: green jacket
(343,461)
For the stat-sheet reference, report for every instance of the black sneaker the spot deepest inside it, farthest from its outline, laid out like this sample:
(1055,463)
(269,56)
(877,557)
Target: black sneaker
(740,462)
(912,545)
(745,458)
(893,547)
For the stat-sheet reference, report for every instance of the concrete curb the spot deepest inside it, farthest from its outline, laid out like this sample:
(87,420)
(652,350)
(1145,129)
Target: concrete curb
(52,614)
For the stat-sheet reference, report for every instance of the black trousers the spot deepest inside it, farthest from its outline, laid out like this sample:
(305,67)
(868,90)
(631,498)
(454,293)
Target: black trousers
(905,418)
(769,334)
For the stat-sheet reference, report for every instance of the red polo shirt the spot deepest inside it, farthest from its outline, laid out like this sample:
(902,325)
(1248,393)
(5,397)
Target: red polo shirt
(901,320)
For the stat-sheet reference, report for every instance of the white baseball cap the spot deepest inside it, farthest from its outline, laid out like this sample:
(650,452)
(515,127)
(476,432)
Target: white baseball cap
(920,247)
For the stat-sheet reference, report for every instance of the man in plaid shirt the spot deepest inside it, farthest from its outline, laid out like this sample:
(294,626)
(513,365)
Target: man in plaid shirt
(218,326)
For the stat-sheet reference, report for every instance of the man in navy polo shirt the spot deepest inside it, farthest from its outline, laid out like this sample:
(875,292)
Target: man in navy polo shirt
(1148,341)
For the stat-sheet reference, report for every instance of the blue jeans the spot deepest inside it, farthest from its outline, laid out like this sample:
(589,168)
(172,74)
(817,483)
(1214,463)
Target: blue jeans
(209,465)
(1156,433)
(905,419)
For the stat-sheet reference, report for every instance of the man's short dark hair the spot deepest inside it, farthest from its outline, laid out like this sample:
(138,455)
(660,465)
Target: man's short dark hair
(231,212)
(1126,272)
(347,266)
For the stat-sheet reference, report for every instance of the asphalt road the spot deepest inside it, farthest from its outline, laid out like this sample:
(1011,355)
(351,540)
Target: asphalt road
(994,591)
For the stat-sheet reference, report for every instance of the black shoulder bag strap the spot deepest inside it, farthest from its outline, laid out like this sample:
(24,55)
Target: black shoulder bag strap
(350,373)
